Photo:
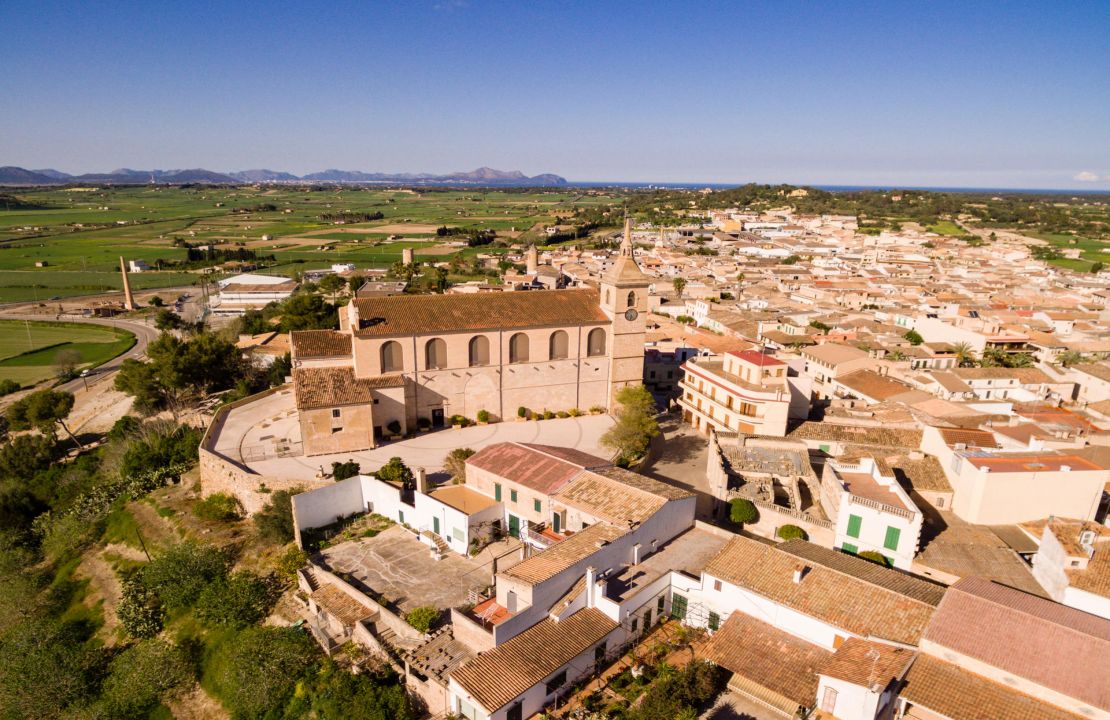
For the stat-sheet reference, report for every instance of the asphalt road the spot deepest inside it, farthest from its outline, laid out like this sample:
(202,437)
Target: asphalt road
(143,335)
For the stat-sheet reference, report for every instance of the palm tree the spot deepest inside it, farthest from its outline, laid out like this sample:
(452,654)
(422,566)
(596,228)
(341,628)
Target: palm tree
(1070,357)
(1018,360)
(965,354)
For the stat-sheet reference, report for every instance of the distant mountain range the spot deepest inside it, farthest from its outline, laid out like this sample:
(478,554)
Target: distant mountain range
(484,176)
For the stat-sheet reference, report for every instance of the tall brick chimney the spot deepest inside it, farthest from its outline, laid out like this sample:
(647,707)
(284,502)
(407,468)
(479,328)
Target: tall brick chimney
(128,298)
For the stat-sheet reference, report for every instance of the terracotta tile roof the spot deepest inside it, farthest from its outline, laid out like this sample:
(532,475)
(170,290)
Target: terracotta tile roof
(867,664)
(1025,376)
(561,556)
(570,455)
(771,657)
(538,467)
(971,438)
(498,677)
(340,605)
(429,314)
(643,483)
(1095,576)
(862,598)
(331,386)
(835,353)
(610,500)
(1050,644)
(872,385)
(955,693)
(321,343)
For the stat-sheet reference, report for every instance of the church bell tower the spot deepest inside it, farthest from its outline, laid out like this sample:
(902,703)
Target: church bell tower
(624,291)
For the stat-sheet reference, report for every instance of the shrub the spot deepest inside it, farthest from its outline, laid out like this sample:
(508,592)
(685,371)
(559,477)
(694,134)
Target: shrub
(596,409)
(395,471)
(289,562)
(141,677)
(180,574)
(164,446)
(574,412)
(455,462)
(275,520)
(422,618)
(8,386)
(125,428)
(342,471)
(217,507)
(792,532)
(459,420)
(332,692)
(423,423)
(394,427)
(157,301)
(139,610)
(254,672)
(562,414)
(483,416)
(239,600)
(522,412)
(742,511)
(547,414)
(875,557)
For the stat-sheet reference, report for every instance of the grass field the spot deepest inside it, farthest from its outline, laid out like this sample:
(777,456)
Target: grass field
(29,350)
(82,234)
(947,227)
(1092,250)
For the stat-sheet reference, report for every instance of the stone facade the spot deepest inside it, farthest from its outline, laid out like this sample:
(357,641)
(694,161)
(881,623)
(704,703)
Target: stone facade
(419,360)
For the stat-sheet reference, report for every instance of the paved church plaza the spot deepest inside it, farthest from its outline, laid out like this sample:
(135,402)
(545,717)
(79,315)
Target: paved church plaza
(265,436)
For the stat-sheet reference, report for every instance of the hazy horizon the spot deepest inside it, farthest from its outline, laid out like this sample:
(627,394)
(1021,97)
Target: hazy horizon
(871,94)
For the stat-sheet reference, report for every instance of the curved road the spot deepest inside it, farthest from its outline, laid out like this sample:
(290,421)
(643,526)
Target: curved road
(143,335)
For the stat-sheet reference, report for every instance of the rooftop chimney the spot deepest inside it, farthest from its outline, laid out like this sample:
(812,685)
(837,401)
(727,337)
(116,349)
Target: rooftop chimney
(420,476)
(799,573)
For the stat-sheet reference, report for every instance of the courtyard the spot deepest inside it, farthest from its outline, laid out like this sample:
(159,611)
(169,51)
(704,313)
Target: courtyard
(265,436)
(400,569)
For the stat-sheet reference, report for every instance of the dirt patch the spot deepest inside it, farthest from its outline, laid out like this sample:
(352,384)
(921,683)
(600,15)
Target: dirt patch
(196,705)
(437,250)
(104,585)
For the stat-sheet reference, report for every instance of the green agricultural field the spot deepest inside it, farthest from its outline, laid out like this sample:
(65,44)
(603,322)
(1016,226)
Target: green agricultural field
(947,227)
(29,350)
(1092,250)
(81,234)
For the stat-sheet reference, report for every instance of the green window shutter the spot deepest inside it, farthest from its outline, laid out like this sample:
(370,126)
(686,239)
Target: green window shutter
(497,492)
(892,536)
(537,505)
(849,548)
(512,495)
(854,521)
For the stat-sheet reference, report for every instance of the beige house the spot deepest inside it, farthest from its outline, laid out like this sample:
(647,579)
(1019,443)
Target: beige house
(746,392)
(402,362)
(826,362)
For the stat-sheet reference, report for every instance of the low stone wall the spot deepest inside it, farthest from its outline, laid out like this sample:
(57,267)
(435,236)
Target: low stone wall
(220,474)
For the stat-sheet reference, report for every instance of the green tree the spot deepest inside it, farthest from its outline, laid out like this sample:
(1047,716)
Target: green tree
(241,599)
(141,677)
(25,456)
(455,462)
(791,532)
(875,557)
(395,471)
(679,285)
(342,471)
(181,573)
(254,672)
(635,424)
(157,301)
(741,511)
(139,610)
(1096,267)
(167,320)
(45,668)
(332,693)
(305,311)
(331,285)
(422,618)
(791,260)
(67,361)
(42,410)
(965,354)
(275,520)
(1070,358)
(8,386)
(914,337)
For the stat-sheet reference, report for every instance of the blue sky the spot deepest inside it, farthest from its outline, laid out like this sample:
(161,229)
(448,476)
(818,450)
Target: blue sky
(1013,94)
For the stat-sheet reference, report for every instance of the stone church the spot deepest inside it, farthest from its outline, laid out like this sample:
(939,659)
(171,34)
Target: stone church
(409,361)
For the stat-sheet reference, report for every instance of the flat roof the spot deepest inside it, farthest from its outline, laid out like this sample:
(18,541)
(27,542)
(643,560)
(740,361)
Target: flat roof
(463,498)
